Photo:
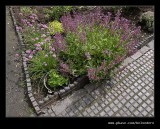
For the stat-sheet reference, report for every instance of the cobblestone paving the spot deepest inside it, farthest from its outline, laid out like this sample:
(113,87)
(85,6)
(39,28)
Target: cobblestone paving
(128,94)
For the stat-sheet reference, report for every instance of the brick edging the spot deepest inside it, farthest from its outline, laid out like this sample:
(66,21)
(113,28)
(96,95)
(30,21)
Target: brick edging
(28,80)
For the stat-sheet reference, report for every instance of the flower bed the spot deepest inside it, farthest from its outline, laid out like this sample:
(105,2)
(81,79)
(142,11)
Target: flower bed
(70,49)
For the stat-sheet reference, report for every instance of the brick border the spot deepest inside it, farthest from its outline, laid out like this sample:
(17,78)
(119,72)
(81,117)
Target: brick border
(71,87)
(28,80)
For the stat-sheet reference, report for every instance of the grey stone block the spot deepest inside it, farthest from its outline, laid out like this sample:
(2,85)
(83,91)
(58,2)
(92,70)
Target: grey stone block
(139,101)
(46,98)
(71,85)
(131,108)
(151,44)
(62,91)
(135,104)
(34,103)
(41,102)
(85,113)
(127,61)
(30,95)
(144,49)
(144,113)
(136,56)
(88,110)
(50,111)
(55,93)
(29,89)
(27,75)
(37,108)
(115,109)
(25,68)
(28,80)
(32,99)
(110,113)
(92,114)
(103,113)
(148,109)
(50,96)
(66,88)
(75,82)
(95,111)
(28,84)
(136,113)
(99,108)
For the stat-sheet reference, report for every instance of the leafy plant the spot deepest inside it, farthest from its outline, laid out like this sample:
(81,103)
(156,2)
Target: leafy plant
(26,10)
(147,19)
(55,12)
(41,63)
(55,27)
(95,44)
(56,80)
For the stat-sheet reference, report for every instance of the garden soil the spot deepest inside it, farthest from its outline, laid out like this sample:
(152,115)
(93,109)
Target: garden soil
(16,105)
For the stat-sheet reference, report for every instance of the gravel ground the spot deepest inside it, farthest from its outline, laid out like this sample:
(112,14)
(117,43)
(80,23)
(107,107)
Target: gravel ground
(16,100)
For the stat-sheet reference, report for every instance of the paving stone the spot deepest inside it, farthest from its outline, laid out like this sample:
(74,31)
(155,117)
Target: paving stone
(136,56)
(144,113)
(144,105)
(123,101)
(144,97)
(50,111)
(85,113)
(131,108)
(88,110)
(119,105)
(148,109)
(92,114)
(115,109)
(95,111)
(139,101)
(110,113)
(136,113)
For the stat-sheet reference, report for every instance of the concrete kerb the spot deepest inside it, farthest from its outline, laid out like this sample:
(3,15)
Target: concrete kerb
(29,87)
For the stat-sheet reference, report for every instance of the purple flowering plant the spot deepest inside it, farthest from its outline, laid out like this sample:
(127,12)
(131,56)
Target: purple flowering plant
(95,44)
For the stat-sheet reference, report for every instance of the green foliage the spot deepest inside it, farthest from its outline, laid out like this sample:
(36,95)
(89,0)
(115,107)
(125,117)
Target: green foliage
(98,40)
(27,10)
(55,79)
(55,12)
(40,64)
(147,19)
(55,27)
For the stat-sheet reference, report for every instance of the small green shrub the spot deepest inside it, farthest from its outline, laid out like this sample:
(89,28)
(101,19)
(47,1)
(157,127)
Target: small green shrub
(55,79)
(55,27)
(27,10)
(55,12)
(147,19)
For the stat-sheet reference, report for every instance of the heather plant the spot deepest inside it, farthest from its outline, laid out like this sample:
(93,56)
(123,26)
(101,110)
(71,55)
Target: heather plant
(95,44)
(55,27)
